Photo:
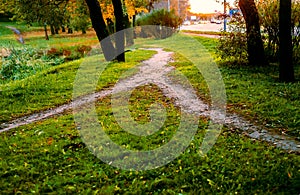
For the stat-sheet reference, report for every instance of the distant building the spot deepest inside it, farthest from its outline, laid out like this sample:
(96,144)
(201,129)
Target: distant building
(179,6)
(163,4)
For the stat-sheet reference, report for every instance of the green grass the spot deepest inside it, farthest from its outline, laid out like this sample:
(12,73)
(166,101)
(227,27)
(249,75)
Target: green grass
(255,93)
(258,95)
(34,37)
(21,26)
(7,36)
(61,41)
(54,86)
(50,157)
(203,32)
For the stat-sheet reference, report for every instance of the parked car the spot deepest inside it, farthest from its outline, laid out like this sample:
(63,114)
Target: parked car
(187,22)
(218,21)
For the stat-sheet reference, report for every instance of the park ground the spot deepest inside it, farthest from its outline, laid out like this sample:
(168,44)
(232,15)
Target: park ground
(206,27)
(49,156)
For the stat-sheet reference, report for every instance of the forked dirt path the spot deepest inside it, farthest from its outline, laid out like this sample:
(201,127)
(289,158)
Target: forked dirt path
(156,70)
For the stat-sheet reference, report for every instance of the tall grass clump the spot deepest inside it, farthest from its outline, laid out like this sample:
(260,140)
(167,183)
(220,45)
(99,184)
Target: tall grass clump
(23,62)
(159,18)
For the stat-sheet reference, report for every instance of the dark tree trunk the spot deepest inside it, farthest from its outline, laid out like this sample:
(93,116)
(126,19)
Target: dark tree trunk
(133,20)
(256,55)
(286,69)
(56,30)
(129,33)
(129,30)
(120,26)
(63,29)
(70,30)
(46,32)
(133,25)
(100,29)
(52,30)
(110,26)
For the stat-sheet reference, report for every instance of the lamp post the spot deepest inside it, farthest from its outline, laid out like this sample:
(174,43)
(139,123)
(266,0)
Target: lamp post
(179,8)
(184,5)
(225,21)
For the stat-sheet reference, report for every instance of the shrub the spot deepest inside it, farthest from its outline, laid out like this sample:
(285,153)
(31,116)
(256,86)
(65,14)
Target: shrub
(159,18)
(69,53)
(270,23)
(232,46)
(83,49)
(24,62)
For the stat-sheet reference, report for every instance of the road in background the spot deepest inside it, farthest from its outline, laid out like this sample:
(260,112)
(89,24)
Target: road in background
(204,27)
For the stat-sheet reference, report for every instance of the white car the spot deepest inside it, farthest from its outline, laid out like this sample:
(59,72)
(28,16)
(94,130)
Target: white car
(218,21)
(187,22)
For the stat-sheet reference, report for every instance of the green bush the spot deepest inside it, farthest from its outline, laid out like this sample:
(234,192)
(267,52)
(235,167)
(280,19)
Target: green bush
(69,53)
(159,18)
(270,23)
(24,62)
(232,46)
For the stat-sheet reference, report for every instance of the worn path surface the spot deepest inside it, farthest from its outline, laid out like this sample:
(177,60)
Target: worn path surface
(156,70)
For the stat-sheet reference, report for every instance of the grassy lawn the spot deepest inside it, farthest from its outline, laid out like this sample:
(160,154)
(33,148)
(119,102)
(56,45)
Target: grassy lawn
(50,157)
(256,93)
(61,41)
(54,86)
(202,32)
(7,37)
(34,36)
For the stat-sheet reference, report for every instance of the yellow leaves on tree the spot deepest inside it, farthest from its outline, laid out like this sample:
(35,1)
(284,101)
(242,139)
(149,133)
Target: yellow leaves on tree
(132,7)
(107,10)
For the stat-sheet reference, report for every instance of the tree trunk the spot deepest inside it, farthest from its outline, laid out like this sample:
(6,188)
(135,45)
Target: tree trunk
(120,26)
(46,32)
(100,29)
(286,70)
(129,33)
(110,26)
(256,55)
(133,25)
(52,29)
(63,29)
(70,30)
(133,20)
(56,30)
